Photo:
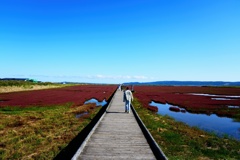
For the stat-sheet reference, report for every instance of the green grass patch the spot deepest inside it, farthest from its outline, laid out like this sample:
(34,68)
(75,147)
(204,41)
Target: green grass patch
(16,86)
(22,110)
(180,141)
(24,83)
(40,132)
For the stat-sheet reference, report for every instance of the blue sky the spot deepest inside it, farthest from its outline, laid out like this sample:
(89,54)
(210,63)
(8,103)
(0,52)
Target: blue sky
(115,41)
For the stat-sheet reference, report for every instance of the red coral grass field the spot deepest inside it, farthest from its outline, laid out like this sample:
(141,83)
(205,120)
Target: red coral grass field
(39,124)
(73,94)
(194,99)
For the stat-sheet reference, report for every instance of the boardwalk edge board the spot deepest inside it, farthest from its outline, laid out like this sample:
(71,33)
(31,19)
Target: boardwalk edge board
(76,155)
(74,146)
(152,143)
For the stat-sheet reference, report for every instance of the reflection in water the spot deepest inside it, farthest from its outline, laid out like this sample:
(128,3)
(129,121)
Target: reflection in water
(213,95)
(81,114)
(221,99)
(233,106)
(211,123)
(93,100)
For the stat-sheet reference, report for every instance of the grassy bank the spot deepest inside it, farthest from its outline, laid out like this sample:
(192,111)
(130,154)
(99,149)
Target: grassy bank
(40,132)
(13,86)
(179,141)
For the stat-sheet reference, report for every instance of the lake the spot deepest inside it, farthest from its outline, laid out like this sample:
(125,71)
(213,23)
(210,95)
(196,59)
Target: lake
(211,123)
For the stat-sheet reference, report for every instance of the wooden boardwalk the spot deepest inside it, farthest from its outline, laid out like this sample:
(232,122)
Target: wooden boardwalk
(116,136)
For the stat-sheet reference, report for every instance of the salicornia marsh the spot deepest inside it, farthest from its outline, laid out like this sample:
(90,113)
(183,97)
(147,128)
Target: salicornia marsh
(179,141)
(40,132)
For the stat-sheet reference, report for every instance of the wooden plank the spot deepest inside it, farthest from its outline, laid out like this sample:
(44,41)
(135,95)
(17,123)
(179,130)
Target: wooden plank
(118,136)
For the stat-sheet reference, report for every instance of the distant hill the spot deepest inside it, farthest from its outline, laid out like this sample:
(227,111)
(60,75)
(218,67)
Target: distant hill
(186,83)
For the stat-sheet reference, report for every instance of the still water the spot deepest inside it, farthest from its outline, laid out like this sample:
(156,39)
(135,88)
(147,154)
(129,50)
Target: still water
(93,100)
(210,123)
(81,114)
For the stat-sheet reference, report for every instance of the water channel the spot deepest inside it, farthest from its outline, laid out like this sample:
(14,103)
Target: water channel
(98,103)
(93,100)
(211,123)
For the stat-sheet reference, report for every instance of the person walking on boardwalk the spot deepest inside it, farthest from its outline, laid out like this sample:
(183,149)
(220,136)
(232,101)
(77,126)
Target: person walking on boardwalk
(127,98)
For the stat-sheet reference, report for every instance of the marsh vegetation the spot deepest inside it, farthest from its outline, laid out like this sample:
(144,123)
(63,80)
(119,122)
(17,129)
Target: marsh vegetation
(180,141)
(40,132)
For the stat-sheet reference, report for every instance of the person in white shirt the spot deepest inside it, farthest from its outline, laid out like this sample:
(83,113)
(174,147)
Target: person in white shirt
(127,98)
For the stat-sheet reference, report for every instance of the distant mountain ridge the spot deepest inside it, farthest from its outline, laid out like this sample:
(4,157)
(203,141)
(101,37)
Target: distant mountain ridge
(186,83)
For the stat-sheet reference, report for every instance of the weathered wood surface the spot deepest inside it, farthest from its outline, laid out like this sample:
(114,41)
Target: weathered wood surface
(118,136)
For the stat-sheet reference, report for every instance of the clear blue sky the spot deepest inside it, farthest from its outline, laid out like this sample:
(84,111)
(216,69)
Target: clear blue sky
(115,41)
